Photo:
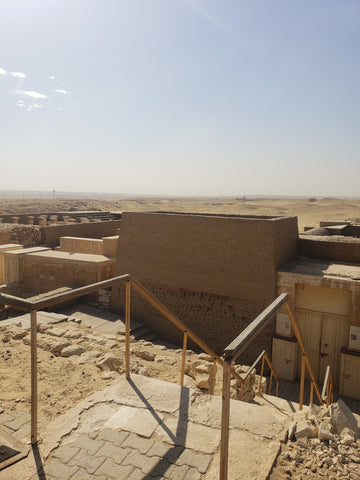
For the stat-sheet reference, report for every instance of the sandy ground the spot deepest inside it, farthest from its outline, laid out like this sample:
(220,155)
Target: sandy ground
(308,210)
(65,381)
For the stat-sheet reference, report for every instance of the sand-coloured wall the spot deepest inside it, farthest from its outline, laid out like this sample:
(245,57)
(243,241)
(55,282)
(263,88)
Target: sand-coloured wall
(49,270)
(93,246)
(334,248)
(215,272)
(52,233)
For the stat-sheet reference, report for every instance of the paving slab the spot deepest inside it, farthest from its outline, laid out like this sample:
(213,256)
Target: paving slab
(101,320)
(42,318)
(145,428)
(250,457)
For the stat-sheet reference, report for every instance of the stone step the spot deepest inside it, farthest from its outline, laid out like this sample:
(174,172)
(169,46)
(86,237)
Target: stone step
(139,332)
(149,337)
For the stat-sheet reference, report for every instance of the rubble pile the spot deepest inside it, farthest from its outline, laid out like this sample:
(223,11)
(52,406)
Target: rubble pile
(65,337)
(201,370)
(29,235)
(323,442)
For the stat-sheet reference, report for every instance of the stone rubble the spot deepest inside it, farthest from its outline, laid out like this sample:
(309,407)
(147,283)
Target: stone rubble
(84,345)
(323,442)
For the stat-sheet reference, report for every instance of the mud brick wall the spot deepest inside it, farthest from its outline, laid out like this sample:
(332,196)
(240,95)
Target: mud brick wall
(216,273)
(343,249)
(52,233)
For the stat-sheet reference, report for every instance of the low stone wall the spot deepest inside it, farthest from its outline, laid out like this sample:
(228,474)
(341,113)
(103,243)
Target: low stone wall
(82,245)
(49,270)
(29,235)
(51,234)
(337,249)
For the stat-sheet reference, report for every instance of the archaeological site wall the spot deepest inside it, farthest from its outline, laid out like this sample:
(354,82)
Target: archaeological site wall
(52,233)
(216,273)
(334,248)
(49,235)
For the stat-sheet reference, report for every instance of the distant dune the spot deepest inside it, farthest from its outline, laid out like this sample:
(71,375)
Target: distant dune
(310,211)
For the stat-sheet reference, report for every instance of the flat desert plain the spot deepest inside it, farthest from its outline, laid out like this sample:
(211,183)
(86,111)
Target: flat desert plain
(310,211)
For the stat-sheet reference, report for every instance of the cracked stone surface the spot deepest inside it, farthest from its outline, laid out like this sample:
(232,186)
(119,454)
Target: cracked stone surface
(149,429)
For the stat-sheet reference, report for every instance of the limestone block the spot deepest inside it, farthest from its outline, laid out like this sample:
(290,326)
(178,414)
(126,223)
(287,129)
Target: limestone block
(347,437)
(51,344)
(202,381)
(88,357)
(165,359)
(56,332)
(324,432)
(341,417)
(304,430)
(145,354)
(16,332)
(72,350)
(109,362)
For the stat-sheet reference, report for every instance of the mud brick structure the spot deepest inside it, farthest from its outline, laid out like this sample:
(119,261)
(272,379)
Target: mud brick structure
(215,272)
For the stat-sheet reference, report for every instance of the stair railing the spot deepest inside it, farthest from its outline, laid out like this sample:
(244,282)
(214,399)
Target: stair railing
(305,364)
(328,388)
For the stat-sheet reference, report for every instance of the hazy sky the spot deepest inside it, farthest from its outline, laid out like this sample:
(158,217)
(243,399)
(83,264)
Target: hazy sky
(189,97)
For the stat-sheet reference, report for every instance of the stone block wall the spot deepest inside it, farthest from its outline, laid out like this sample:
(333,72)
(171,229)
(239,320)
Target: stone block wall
(49,270)
(51,234)
(81,245)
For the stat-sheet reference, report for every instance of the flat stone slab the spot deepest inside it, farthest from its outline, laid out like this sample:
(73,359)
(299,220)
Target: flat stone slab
(42,318)
(147,428)
(97,319)
(250,457)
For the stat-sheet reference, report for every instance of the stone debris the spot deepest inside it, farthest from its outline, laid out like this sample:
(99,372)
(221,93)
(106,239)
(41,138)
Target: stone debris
(145,354)
(109,362)
(200,370)
(72,350)
(326,445)
(167,359)
(341,417)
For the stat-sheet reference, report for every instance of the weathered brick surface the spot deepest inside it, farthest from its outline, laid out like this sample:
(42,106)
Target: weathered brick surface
(216,273)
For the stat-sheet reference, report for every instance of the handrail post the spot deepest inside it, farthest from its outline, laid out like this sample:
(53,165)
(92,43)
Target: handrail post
(261,373)
(311,392)
(213,378)
(302,382)
(34,399)
(225,419)
(127,329)
(183,359)
(301,345)
(270,382)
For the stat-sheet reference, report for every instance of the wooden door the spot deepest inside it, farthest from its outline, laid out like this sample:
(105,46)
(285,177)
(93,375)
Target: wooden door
(310,325)
(323,336)
(334,336)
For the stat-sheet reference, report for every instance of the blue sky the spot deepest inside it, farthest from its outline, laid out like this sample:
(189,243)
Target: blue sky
(181,97)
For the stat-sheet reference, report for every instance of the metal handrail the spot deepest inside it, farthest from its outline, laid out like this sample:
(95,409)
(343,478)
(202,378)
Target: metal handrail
(305,363)
(188,333)
(272,374)
(328,387)
(33,306)
(242,341)
(264,357)
(231,353)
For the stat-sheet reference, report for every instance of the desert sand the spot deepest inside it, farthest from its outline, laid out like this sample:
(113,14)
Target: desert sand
(310,211)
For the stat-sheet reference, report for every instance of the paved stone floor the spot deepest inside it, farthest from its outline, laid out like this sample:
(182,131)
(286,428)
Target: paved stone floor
(145,429)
